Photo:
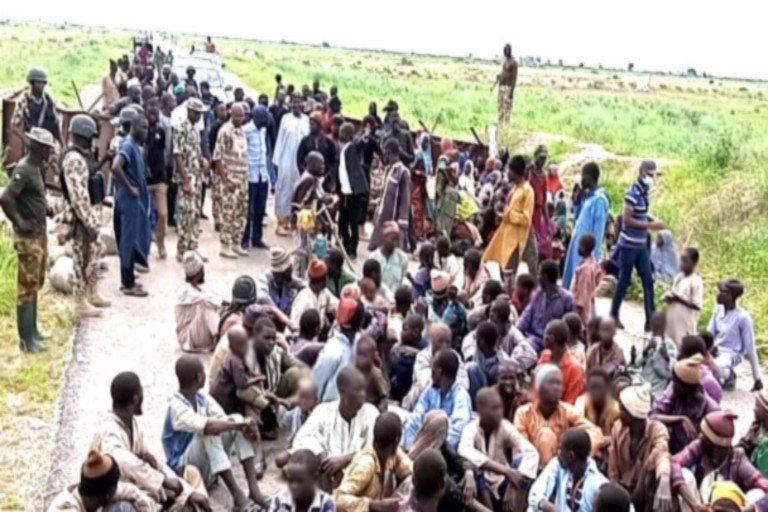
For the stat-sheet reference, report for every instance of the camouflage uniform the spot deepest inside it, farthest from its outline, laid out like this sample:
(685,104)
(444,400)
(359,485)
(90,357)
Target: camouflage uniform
(81,219)
(232,151)
(186,143)
(28,114)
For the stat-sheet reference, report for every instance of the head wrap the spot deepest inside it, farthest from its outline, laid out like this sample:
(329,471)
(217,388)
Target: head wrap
(350,291)
(99,475)
(260,115)
(317,270)
(439,281)
(689,370)
(280,261)
(193,263)
(391,228)
(244,291)
(719,428)
(729,491)
(544,371)
(346,311)
(636,400)
(664,259)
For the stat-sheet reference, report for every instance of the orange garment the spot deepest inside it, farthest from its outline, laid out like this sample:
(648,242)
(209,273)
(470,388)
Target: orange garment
(573,375)
(512,233)
(588,277)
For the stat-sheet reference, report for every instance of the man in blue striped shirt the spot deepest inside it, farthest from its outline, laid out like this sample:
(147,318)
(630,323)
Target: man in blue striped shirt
(258,177)
(634,249)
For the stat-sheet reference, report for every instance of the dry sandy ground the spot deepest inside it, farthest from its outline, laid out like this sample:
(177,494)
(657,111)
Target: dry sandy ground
(139,335)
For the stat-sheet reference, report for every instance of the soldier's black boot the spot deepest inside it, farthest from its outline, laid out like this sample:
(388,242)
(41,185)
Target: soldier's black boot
(39,335)
(25,320)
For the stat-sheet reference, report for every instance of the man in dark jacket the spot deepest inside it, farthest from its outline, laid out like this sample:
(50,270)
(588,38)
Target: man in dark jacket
(352,184)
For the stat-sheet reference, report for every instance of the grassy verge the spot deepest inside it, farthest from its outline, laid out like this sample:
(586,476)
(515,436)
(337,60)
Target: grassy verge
(711,135)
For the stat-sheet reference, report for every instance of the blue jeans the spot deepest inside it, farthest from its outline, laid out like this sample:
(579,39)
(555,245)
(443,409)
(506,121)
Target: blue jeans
(640,259)
(257,207)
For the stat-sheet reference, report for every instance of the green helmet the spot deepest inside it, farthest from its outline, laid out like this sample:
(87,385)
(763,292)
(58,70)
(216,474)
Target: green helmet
(37,75)
(84,126)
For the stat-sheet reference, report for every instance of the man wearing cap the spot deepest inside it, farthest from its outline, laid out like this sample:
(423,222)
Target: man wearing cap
(634,250)
(338,349)
(259,155)
(734,335)
(131,218)
(196,311)
(77,165)
(100,488)
(278,287)
(684,404)
(712,457)
(293,128)
(24,204)
(316,140)
(188,176)
(636,438)
(231,162)
(393,260)
(315,296)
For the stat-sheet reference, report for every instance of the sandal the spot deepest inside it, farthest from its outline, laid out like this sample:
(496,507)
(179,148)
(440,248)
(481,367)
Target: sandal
(136,291)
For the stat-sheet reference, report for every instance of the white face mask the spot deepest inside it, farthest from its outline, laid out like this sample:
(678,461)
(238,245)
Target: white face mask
(648,182)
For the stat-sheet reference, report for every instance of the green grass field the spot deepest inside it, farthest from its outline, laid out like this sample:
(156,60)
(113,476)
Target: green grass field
(711,134)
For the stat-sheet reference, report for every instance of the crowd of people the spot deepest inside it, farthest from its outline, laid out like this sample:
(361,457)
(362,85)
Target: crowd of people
(463,367)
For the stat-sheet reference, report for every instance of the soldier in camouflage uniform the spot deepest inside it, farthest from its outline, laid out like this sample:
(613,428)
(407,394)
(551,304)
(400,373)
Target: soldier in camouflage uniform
(80,216)
(231,159)
(23,202)
(36,108)
(188,175)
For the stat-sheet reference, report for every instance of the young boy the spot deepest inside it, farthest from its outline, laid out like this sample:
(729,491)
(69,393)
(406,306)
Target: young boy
(444,260)
(306,347)
(523,290)
(593,331)
(597,404)
(483,369)
(684,299)
(403,356)
(588,276)
(294,416)
(371,298)
(658,356)
(234,377)
(505,461)
(367,361)
(607,353)
(576,338)
(301,493)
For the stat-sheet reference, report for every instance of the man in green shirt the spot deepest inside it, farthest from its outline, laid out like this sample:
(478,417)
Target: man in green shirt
(23,202)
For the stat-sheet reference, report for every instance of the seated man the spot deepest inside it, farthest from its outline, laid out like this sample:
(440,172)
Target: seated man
(337,352)
(197,312)
(613,498)
(376,472)
(306,347)
(513,343)
(544,420)
(511,388)
(557,352)
(278,287)
(597,405)
(571,478)
(504,460)
(393,260)
(636,438)
(403,357)
(122,438)
(712,457)
(197,432)
(444,394)
(100,488)
(376,384)
(483,369)
(302,472)
(336,430)
(315,296)
(441,337)
(429,471)
(551,302)
(337,276)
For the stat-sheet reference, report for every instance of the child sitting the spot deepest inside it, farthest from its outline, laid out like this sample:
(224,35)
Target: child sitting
(522,292)
(420,281)
(588,276)
(367,361)
(658,356)
(302,471)
(444,260)
(370,296)
(234,380)
(575,340)
(403,356)
(607,353)
(306,348)
(593,331)
(294,416)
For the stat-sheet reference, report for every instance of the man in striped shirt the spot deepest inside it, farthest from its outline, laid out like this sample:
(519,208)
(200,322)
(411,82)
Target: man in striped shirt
(633,246)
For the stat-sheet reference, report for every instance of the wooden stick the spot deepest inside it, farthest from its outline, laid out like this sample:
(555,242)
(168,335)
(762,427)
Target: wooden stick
(77,94)
(477,137)
(93,105)
(339,241)
(424,126)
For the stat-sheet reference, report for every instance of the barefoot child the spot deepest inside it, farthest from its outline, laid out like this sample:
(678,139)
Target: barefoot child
(588,276)
(684,298)
(234,378)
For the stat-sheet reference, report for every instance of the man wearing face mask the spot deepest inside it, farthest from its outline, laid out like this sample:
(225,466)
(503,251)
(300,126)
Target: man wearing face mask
(121,436)
(634,250)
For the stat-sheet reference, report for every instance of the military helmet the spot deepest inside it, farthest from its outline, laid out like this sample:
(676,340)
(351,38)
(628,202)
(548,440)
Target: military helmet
(37,75)
(84,126)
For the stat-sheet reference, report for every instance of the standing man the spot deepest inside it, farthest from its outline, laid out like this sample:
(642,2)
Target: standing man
(316,141)
(157,167)
(231,161)
(36,108)
(399,131)
(23,202)
(633,247)
(591,209)
(539,238)
(190,164)
(352,185)
(132,207)
(76,167)
(506,80)
(395,204)
(293,128)
(258,177)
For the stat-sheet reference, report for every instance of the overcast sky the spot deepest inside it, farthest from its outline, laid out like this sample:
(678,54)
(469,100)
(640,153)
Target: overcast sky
(724,38)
